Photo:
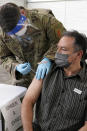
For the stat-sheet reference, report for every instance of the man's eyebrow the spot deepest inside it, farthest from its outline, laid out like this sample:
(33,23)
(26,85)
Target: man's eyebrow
(62,46)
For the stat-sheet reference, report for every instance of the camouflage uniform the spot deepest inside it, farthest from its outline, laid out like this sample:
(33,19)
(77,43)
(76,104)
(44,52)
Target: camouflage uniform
(44,33)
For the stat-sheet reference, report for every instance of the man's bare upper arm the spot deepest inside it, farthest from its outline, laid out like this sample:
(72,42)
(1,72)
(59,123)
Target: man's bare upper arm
(34,90)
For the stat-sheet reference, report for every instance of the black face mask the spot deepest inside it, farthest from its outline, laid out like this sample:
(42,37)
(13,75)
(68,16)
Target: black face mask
(61,60)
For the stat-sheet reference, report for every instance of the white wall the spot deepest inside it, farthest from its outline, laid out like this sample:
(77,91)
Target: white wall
(72,13)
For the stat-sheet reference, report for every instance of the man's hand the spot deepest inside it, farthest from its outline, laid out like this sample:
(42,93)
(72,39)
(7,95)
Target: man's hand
(43,68)
(24,68)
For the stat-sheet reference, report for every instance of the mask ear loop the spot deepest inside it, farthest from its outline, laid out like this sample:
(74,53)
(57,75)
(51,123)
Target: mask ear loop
(31,25)
(22,31)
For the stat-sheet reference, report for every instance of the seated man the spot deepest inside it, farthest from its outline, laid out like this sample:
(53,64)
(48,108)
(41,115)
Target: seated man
(62,100)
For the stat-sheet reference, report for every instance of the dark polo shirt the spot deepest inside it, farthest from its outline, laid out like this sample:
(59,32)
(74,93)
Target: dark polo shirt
(62,105)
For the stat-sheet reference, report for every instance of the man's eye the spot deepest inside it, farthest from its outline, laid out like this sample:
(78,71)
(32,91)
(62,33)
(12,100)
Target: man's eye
(64,49)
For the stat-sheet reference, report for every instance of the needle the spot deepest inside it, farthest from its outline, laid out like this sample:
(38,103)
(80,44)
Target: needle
(33,71)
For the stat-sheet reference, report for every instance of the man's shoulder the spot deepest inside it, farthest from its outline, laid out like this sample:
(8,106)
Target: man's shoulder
(37,16)
(55,67)
(40,11)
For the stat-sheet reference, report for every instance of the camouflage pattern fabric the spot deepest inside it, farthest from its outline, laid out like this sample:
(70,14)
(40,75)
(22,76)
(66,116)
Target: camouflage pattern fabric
(43,33)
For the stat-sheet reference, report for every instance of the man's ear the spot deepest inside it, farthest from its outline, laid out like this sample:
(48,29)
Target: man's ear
(23,12)
(80,53)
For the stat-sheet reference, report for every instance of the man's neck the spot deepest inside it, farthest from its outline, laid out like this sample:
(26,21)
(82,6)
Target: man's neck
(72,70)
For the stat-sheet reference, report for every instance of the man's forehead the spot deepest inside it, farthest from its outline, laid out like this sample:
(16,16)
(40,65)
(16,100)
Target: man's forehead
(66,41)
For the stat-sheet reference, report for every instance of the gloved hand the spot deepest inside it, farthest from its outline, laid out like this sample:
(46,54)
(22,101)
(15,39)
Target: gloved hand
(43,68)
(24,68)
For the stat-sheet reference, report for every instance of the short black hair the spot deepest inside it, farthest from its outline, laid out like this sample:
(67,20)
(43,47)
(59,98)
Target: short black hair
(21,7)
(9,16)
(80,41)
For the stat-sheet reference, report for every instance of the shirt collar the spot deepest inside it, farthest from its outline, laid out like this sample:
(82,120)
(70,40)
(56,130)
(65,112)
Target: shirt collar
(81,74)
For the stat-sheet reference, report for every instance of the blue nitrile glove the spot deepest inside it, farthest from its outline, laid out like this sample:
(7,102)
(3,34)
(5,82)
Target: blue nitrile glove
(43,68)
(24,68)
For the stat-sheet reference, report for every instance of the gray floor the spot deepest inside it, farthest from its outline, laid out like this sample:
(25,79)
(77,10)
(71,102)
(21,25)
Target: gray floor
(4,76)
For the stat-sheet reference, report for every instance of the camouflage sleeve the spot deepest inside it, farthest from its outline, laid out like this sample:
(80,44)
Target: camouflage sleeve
(44,11)
(54,30)
(7,59)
